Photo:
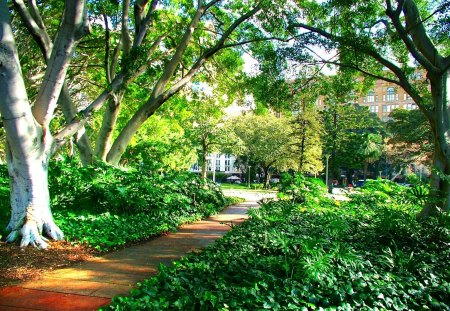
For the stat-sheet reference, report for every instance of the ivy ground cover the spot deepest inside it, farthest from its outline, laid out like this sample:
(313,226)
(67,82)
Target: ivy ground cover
(307,253)
(104,207)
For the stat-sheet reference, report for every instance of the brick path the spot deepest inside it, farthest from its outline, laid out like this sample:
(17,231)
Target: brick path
(92,284)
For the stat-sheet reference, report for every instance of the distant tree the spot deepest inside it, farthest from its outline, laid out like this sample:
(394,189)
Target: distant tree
(345,128)
(345,125)
(410,137)
(371,149)
(307,132)
(206,135)
(267,141)
(379,39)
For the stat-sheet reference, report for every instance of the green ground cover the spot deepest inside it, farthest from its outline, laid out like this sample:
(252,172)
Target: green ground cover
(105,207)
(307,252)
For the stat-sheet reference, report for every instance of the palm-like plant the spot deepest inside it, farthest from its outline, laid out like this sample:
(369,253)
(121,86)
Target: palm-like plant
(371,149)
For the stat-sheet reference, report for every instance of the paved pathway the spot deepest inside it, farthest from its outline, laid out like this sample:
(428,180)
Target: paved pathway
(92,284)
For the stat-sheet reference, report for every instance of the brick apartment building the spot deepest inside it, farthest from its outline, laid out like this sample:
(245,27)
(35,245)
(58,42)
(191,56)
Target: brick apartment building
(382,99)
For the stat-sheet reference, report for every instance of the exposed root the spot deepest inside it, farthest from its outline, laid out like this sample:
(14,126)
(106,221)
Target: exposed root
(53,231)
(14,235)
(31,235)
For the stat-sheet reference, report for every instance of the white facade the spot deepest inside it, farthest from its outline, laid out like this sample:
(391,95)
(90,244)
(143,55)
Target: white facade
(223,163)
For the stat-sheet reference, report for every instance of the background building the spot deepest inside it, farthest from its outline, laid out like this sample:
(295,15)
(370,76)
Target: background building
(219,163)
(382,99)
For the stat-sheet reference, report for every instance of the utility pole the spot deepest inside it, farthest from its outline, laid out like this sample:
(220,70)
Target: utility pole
(249,176)
(327,156)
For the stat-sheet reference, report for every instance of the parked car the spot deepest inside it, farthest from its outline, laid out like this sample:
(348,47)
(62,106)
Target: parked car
(360,183)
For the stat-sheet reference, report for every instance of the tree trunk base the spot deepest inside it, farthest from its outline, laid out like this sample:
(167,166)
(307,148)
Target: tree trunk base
(31,233)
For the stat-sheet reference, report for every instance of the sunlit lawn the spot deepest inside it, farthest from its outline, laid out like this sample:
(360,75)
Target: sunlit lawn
(243,186)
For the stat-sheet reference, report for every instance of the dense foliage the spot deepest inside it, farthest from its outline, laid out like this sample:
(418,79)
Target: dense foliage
(105,207)
(308,253)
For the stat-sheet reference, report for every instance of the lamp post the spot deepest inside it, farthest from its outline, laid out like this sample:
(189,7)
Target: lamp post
(214,167)
(249,176)
(327,156)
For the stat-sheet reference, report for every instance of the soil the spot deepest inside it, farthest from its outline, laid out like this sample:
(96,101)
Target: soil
(22,264)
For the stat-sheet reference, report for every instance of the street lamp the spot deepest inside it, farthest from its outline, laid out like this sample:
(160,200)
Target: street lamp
(249,176)
(327,156)
(214,167)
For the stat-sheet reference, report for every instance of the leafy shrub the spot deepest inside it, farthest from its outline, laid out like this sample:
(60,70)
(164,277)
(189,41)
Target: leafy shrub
(298,187)
(105,207)
(365,254)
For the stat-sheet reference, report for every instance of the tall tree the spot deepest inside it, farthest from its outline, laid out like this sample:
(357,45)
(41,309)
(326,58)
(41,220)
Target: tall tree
(29,141)
(307,140)
(410,137)
(174,53)
(379,39)
(345,127)
(204,128)
(267,141)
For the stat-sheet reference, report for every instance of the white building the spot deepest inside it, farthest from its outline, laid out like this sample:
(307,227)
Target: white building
(223,163)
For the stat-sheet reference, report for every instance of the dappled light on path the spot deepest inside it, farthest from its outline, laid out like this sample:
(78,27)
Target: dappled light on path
(91,284)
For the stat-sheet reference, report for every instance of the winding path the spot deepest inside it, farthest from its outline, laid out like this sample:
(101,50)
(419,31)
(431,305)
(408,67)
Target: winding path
(92,284)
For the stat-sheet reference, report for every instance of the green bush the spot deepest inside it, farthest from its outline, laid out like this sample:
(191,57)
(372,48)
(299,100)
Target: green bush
(365,254)
(105,207)
(299,188)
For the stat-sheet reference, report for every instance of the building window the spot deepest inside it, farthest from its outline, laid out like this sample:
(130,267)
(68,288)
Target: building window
(217,164)
(390,94)
(404,96)
(384,98)
(227,165)
(371,97)
(228,156)
(389,108)
(411,106)
(374,108)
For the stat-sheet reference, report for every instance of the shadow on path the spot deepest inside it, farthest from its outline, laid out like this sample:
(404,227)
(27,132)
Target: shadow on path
(92,284)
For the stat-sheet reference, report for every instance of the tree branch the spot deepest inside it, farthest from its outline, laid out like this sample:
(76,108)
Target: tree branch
(142,25)
(35,26)
(421,47)
(73,26)
(126,39)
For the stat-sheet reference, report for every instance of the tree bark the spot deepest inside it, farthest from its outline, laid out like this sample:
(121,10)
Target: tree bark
(35,25)
(266,177)
(110,116)
(81,138)
(204,161)
(29,143)
(440,124)
(366,165)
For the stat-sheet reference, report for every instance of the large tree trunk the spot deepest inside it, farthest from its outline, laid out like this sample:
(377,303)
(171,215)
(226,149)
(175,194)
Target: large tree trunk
(110,116)
(204,161)
(28,139)
(81,139)
(30,200)
(28,149)
(440,175)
